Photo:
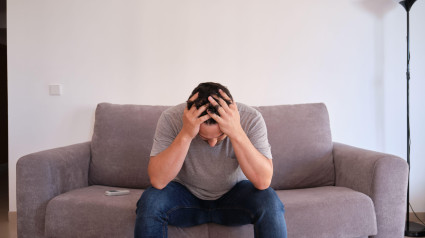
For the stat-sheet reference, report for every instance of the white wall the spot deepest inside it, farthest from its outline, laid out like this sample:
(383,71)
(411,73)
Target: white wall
(348,54)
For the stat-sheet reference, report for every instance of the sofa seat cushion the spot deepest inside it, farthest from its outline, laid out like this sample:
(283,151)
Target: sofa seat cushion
(314,212)
(327,212)
(88,212)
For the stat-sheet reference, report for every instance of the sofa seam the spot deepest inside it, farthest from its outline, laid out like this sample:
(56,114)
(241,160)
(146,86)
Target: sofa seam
(371,192)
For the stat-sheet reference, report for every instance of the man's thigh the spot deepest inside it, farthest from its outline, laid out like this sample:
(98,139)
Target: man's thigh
(174,204)
(243,204)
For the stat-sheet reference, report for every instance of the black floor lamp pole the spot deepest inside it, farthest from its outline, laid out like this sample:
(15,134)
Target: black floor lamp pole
(412,229)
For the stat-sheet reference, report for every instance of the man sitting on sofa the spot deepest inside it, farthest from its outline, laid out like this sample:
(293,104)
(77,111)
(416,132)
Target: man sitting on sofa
(210,163)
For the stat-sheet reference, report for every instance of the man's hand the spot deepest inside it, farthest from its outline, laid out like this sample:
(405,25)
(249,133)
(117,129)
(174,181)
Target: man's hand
(191,119)
(165,166)
(229,120)
(257,168)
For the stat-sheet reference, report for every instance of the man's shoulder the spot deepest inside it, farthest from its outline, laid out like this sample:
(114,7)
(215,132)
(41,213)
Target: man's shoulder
(247,110)
(176,110)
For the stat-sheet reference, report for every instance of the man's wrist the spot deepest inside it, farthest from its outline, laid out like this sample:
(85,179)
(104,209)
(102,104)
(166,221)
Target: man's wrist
(184,137)
(239,135)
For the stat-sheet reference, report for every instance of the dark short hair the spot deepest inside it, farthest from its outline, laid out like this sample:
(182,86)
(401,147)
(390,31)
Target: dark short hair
(205,90)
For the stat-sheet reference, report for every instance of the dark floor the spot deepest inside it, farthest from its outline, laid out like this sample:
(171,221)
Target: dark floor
(7,229)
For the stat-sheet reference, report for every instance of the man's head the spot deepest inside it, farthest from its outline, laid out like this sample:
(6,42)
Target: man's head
(205,90)
(209,131)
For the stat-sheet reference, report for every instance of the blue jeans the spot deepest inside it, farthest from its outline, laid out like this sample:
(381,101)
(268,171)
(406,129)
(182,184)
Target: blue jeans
(243,204)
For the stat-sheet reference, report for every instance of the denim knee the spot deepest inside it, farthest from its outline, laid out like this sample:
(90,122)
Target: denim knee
(267,201)
(152,202)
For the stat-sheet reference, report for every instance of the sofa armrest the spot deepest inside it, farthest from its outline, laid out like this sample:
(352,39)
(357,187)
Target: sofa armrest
(383,177)
(43,175)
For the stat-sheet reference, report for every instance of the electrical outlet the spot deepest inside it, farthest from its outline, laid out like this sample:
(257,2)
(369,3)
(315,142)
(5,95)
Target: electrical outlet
(55,90)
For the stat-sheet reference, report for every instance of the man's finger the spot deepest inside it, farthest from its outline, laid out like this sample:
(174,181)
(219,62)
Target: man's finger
(194,97)
(204,118)
(223,104)
(215,117)
(221,107)
(191,99)
(215,104)
(213,101)
(224,95)
(201,110)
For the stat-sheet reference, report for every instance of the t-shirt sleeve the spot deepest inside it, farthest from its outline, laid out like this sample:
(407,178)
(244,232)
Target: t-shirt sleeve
(257,133)
(164,135)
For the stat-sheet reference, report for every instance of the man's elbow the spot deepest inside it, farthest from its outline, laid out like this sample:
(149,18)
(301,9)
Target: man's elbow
(263,185)
(157,184)
(264,180)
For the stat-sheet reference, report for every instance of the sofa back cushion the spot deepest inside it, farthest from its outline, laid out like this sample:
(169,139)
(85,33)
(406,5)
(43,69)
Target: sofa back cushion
(121,144)
(298,134)
(301,143)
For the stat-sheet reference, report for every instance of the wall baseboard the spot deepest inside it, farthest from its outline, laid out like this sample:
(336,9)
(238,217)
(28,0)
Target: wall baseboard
(13,225)
(13,216)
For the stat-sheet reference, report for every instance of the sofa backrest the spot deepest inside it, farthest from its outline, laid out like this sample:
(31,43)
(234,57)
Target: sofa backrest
(121,144)
(301,142)
(299,135)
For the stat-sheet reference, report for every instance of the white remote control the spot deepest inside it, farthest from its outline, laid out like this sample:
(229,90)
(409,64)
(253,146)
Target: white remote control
(117,192)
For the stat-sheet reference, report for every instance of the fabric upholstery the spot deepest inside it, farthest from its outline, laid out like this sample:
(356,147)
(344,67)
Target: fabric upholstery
(301,142)
(121,144)
(302,149)
(77,213)
(55,199)
(42,176)
(315,212)
(328,212)
(381,176)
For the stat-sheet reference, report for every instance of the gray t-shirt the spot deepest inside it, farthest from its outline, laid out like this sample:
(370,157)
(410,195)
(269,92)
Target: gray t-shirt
(209,172)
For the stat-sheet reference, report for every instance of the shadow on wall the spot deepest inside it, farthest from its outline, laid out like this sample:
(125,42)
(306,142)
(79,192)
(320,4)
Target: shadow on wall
(378,9)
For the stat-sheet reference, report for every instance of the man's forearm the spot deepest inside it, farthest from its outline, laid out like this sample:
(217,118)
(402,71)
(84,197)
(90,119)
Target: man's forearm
(166,165)
(256,167)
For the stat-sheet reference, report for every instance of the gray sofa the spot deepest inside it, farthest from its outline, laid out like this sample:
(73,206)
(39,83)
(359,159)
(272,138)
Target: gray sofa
(328,189)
